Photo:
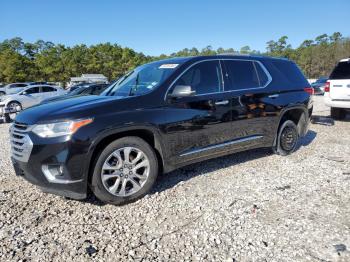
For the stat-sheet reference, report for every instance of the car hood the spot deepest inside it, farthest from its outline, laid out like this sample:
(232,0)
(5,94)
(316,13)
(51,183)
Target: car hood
(70,108)
(58,98)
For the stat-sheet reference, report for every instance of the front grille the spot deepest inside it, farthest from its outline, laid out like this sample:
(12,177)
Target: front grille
(21,145)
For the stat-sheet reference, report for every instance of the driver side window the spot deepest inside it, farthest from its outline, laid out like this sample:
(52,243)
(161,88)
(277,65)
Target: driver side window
(204,78)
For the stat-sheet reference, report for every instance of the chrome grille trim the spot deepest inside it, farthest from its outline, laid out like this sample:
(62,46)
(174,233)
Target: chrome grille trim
(21,145)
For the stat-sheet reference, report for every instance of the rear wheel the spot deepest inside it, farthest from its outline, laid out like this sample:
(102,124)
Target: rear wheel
(14,108)
(337,113)
(287,139)
(125,171)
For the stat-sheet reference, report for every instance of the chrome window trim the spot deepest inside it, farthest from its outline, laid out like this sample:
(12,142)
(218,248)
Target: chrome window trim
(269,77)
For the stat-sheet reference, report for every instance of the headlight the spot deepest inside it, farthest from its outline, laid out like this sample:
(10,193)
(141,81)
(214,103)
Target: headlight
(60,128)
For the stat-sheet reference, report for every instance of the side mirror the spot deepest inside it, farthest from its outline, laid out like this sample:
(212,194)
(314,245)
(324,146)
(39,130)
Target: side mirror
(24,93)
(182,91)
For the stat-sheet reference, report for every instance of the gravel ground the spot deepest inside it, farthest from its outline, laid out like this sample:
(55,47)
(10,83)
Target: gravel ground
(252,206)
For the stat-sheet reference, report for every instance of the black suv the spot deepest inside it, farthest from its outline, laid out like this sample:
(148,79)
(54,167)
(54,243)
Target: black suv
(159,117)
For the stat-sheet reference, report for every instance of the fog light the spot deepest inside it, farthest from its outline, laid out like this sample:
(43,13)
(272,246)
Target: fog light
(53,172)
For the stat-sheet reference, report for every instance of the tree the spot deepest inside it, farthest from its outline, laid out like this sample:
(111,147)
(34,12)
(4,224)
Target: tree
(43,60)
(245,50)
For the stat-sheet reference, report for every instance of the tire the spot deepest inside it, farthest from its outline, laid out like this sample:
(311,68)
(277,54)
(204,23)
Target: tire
(111,170)
(337,113)
(11,117)
(287,139)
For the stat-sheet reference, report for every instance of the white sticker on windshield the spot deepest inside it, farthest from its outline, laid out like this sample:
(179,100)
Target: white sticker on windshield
(168,66)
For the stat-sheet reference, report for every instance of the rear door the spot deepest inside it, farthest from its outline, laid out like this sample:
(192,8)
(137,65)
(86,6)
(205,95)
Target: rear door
(253,112)
(47,92)
(340,81)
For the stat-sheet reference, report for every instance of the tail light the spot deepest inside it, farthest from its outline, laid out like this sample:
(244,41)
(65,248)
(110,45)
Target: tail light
(327,87)
(309,90)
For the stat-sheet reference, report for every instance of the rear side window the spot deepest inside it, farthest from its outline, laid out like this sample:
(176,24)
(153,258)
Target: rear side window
(341,71)
(290,72)
(263,78)
(244,75)
(204,77)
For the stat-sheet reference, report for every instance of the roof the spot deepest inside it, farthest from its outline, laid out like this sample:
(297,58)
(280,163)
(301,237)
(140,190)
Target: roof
(27,87)
(181,60)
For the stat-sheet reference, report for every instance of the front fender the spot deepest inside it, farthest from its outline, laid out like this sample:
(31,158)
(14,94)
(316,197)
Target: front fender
(158,142)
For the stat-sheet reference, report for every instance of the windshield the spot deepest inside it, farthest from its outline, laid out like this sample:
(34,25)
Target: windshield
(141,80)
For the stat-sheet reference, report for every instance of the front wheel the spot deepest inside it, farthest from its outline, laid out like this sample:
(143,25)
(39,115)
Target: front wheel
(125,171)
(287,139)
(14,108)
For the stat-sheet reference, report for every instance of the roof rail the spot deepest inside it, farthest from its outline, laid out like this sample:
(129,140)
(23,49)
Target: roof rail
(239,54)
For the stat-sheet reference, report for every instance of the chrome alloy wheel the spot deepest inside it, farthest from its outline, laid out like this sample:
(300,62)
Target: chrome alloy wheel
(125,171)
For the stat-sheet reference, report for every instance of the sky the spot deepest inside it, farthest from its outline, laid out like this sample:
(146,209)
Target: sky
(157,27)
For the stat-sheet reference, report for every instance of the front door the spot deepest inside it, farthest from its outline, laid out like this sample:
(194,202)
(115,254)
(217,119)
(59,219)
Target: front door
(198,125)
(31,97)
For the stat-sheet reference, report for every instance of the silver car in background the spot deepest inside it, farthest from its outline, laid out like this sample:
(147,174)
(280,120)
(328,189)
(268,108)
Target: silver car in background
(32,95)
(13,87)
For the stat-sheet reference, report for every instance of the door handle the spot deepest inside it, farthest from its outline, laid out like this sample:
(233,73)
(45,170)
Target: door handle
(274,96)
(223,102)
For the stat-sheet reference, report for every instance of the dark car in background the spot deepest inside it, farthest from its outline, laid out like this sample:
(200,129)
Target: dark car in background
(157,118)
(88,89)
(319,85)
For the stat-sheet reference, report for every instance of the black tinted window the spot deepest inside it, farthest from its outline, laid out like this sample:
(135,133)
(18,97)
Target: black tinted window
(32,90)
(241,75)
(290,71)
(48,89)
(87,91)
(17,85)
(341,71)
(98,90)
(263,79)
(204,77)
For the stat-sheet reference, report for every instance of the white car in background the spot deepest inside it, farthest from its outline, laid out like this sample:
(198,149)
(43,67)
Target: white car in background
(337,90)
(32,95)
(13,88)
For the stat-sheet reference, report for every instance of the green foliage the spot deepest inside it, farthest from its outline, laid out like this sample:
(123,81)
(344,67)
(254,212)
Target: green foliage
(315,57)
(20,61)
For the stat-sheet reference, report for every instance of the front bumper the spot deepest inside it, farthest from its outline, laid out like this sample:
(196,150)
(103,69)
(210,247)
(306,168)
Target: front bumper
(36,177)
(56,165)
